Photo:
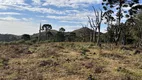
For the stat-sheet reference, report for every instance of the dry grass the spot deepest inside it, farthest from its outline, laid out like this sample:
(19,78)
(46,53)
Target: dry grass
(69,61)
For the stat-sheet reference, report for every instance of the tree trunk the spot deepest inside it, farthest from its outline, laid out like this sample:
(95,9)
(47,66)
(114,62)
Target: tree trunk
(91,36)
(124,39)
(118,35)
(39,35)
(46,34)
(95,36)
(98,42)
(119,21)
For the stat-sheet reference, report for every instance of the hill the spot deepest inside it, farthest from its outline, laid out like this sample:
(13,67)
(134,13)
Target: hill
(82,34)
(9,37)
(69,61)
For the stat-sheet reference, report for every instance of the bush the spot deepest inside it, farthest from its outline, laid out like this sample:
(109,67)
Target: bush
(25,37)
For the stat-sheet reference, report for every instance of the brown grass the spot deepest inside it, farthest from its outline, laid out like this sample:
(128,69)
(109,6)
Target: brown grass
(64,61)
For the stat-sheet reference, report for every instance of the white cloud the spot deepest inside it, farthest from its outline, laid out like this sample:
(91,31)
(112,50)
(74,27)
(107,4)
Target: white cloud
(36,2)
(70,15)
(21,5)
(27,19)
(80,16)
(71,3)
(38,9)
(3,7)
(12,2)
(73,22)
(9,13)
(18,27)
(9,18)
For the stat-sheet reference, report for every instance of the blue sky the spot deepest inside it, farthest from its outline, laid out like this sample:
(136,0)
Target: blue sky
(24,16)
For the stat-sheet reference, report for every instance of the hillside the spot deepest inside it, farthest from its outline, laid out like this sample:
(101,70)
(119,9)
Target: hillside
(9,37)
(69,61)
(82,34)
(83,30)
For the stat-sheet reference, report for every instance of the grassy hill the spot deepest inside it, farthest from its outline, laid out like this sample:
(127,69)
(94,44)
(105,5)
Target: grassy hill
(69,61)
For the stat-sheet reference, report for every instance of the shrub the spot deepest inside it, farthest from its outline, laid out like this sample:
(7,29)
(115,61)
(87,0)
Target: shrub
(25,37)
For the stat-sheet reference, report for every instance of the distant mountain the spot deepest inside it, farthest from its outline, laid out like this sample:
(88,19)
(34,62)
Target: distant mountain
(83,30)
(8,37)
(82,34)
(43,33)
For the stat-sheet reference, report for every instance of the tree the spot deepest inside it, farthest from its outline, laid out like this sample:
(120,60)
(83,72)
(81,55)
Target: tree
(124,33)
(109,4)
(109,18)
(110,33)
(140,28)
(94,28)
(98,20)
(47,28)
(110,27)
(135,28)
(25,37)
(60,37)
(62,30)
(39,34)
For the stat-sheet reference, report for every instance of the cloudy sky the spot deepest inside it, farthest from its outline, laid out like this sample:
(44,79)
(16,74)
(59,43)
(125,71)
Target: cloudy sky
(24,16)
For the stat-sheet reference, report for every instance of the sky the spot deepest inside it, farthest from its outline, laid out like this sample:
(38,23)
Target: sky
(24,16)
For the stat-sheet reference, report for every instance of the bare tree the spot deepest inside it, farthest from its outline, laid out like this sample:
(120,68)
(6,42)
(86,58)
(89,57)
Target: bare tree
(98,20)
(39,35)
(94,28)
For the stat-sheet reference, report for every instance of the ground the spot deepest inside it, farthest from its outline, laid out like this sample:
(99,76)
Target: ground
(69,61)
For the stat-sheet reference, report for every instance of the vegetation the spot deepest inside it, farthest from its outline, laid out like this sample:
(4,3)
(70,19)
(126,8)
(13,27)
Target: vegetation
(120,28)
(69,61)
(83,54)
(26,37)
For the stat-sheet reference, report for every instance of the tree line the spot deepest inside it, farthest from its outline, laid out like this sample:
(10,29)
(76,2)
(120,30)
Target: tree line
(118,31)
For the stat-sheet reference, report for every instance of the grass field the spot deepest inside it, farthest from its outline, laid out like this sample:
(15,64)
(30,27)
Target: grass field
(69,61)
